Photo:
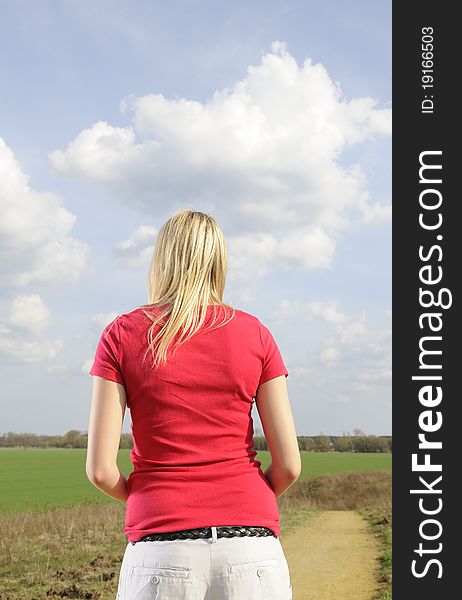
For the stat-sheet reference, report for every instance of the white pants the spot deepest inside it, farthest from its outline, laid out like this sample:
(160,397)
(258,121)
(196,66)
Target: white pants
(236,568)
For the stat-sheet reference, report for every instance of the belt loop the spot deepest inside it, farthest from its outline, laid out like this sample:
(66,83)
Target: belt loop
(214,534)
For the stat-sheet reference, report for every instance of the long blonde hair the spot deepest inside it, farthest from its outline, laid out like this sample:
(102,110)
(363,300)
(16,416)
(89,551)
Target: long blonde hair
(187,273)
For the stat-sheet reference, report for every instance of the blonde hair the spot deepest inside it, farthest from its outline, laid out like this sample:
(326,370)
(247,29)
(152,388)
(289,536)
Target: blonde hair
(187,273)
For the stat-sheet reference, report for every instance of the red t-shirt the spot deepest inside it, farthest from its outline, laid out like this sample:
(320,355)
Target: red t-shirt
(193,457)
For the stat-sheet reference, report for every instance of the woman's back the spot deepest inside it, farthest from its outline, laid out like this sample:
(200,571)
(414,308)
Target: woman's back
(202,519)
(193,456)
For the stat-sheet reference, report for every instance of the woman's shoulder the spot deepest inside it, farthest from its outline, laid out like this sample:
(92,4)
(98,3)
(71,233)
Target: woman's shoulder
(246,316)
(134,315)
(139,313)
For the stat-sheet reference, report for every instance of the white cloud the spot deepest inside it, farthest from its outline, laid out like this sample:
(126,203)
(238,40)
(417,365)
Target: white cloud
(138,249)
(29,313)
(348,327)
(86,366)
(329,354)
(327,311)
(376,374)
(342,398)
(97,153)
(360,354)
(362,388)
(100,320)
(243,294)
(58,369)
(35,350)
(250,255)
(374,213)
(21,331)
(35,231)
(254,255)
(103,319)
(264,151)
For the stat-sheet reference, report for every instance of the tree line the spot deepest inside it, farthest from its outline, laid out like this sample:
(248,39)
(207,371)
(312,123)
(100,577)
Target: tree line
(314,443)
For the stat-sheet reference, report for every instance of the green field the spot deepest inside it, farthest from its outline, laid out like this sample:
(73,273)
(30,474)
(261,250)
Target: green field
(42,478)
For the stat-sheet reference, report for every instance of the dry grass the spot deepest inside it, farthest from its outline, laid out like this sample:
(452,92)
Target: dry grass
(381,523)
(343,491)
(77,552)
(62,552)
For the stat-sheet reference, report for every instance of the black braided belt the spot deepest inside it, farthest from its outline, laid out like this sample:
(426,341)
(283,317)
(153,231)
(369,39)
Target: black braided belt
(206,532)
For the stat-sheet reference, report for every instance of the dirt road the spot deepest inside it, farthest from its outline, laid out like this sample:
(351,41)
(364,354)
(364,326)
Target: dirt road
(333,556)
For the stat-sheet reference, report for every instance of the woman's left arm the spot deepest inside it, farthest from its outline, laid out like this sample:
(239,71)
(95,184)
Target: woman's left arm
(107,412)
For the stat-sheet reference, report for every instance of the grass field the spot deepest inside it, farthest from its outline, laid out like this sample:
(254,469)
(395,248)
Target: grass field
(76,551)
(62,538)
(44,478)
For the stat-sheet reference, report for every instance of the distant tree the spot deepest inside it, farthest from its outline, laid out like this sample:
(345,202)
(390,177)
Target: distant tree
(359,443)
(322,443)
(376,444)
(343,444)
(259,443)
(370,443)
(126,441)
(71,437)
(358,433)
(306,443)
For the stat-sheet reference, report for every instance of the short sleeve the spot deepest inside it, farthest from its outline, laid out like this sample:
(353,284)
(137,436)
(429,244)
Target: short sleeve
(273,364)
(107,356)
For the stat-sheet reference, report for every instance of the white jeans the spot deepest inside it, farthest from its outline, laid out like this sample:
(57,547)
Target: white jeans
(236,568)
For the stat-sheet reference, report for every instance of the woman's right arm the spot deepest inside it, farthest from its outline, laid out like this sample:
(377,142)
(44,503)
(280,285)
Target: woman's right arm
(273,406)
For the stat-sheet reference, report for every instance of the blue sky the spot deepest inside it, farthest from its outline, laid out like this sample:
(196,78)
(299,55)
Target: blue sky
(274,117)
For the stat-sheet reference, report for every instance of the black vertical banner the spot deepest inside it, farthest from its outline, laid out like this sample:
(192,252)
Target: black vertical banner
(427,255)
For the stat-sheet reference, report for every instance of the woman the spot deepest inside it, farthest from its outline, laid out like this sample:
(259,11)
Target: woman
(202,521)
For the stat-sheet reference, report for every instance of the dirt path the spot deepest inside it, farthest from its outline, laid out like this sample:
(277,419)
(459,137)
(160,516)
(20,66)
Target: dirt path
(332,557)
